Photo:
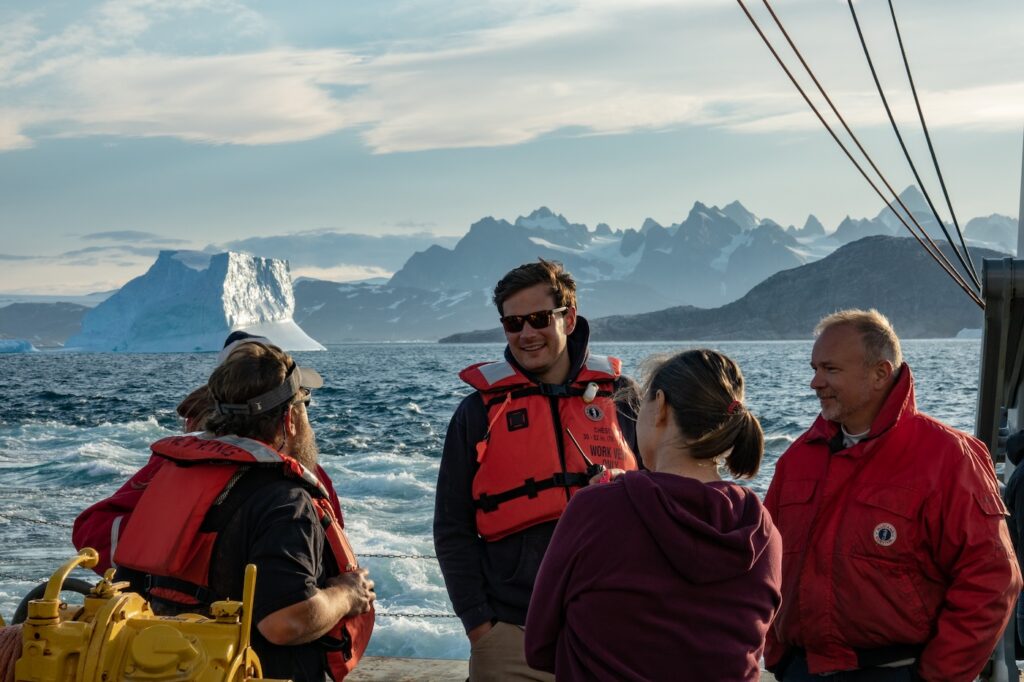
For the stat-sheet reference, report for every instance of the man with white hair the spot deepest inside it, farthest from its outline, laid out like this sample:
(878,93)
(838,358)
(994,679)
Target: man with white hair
(897,563)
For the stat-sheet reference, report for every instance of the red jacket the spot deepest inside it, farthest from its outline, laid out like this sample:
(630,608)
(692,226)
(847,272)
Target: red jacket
(899,539)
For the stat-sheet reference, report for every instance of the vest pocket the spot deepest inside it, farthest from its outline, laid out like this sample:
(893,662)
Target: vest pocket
(882,523)
(795,512)
(897,610)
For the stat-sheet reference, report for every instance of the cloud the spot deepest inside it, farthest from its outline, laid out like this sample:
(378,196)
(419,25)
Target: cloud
(113,253)
(423,227)
(341,273)
(131,235)
(600,67)
(12,257)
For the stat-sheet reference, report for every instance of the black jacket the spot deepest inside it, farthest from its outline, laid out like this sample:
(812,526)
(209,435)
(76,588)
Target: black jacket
(494,580)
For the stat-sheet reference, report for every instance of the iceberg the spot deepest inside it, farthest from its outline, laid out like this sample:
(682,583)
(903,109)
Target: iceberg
(16,346)
(189,301)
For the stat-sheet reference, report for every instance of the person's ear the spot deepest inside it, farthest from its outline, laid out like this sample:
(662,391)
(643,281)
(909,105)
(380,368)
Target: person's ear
(661,408)
(290,427)
(882,374)
(570,320)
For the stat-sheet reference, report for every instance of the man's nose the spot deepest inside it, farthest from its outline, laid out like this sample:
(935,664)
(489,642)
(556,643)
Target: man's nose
(817,381)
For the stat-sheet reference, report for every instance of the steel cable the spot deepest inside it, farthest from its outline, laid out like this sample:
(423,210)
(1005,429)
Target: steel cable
(937,254)
(968,264)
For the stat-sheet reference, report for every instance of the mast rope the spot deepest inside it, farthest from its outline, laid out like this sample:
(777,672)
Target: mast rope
(937,255)
(968,264)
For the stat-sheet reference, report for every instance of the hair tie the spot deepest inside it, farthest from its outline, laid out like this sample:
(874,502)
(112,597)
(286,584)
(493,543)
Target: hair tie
(734,407)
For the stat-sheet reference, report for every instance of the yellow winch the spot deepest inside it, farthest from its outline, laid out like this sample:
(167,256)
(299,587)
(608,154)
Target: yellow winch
(116,636)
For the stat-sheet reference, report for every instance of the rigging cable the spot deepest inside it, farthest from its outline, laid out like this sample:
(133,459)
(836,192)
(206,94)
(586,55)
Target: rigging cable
(874,167)
(937,256)
(967,264)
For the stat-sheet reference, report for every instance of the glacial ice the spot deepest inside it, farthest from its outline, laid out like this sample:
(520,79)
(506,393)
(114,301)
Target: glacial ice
(190,301)
(16,346)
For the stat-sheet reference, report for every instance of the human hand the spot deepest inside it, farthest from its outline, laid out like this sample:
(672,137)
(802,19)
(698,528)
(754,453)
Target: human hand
(479,631)
(606,476)
(357,587)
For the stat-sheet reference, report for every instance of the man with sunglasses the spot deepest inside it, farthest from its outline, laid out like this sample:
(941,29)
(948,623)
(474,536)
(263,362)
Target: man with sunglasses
(540,425)
(244,491)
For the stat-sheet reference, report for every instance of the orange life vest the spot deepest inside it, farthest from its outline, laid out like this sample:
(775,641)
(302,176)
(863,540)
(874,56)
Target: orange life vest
(529,464)
(166,540)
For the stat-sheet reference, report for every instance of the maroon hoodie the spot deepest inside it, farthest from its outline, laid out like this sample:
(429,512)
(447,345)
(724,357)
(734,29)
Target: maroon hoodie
(656,577)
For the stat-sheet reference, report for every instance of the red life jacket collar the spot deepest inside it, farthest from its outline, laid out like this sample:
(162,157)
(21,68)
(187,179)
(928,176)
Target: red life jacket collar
(206,448)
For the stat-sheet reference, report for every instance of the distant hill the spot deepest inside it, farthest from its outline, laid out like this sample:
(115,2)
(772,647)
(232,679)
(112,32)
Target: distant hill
(892,274)
(46,325)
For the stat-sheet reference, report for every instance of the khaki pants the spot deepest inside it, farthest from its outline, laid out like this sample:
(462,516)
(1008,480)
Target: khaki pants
(498,656)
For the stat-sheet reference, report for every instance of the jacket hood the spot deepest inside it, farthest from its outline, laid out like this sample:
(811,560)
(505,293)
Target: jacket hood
(577,345)
(709,532)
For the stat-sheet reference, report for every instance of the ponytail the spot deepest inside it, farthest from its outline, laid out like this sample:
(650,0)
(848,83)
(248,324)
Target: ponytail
(704,390)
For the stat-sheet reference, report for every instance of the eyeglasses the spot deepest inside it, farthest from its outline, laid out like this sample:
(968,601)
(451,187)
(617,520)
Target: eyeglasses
(305,397)
(538,320)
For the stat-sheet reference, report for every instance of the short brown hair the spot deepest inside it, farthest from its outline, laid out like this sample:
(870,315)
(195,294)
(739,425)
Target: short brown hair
(704,390)
(251,369)
(876,333)
(563,286)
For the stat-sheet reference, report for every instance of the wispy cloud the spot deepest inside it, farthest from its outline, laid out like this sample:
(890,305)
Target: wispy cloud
(600,67)
(114,253)
(131,236)
(341,273)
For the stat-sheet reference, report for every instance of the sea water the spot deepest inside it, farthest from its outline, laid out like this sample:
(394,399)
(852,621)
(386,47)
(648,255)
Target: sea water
(74,426)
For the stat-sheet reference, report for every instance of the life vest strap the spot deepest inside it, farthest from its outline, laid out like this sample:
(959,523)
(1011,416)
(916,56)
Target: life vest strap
(531,488)
(194,594)
(343,645)
(555,390)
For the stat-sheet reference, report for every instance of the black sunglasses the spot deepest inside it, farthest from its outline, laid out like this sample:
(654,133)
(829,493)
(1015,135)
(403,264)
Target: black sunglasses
(538,320)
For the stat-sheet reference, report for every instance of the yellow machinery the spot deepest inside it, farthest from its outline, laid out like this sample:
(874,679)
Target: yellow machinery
(116,636)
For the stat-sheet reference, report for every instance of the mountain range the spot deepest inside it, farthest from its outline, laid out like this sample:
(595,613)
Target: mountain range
(891,274)
(711,258)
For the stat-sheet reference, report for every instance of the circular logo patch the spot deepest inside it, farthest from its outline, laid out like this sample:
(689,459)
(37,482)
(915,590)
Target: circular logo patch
(885,534)
(593,413)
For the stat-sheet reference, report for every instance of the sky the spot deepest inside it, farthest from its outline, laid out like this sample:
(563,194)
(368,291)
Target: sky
(130,126)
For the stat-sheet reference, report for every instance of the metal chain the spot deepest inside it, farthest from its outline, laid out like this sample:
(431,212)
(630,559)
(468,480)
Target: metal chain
(18,517)
(400,614)
(399,556)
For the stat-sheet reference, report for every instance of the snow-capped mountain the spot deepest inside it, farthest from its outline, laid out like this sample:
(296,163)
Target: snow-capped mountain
(714,256)
(190,301)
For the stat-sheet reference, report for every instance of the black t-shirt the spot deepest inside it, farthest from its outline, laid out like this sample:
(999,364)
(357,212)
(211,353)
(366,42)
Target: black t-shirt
(276,528)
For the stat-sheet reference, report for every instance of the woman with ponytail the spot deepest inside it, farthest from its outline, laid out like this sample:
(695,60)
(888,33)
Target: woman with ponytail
(670,573)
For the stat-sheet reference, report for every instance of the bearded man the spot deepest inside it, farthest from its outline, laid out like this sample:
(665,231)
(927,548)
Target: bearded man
(244,492)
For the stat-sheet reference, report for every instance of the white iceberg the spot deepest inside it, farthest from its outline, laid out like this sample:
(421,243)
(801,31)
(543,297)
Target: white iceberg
(190,301)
